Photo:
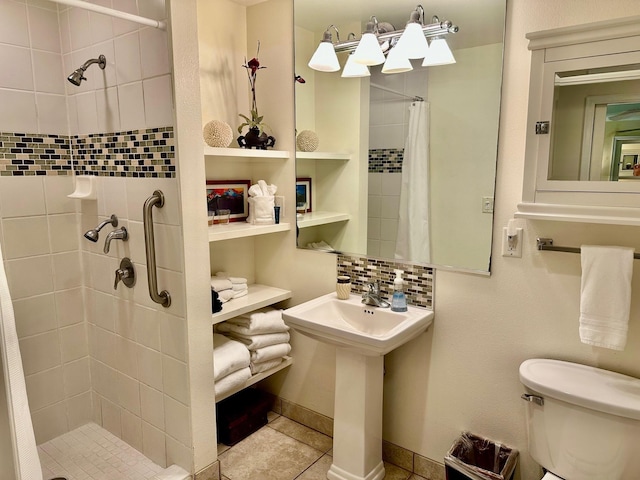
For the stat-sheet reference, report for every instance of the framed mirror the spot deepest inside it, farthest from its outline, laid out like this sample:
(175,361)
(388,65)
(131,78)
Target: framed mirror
(382,186)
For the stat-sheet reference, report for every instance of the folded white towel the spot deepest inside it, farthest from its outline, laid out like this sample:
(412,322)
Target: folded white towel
(270,353)
(220,284)
(262,366)
(265,320)
(225,295)
(228,356)
(233,280)
(231,381)
(240,293)
(253,342)
(238,287)
(605,295)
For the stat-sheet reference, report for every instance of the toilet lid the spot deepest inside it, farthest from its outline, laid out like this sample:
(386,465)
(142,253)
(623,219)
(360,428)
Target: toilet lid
(550,476)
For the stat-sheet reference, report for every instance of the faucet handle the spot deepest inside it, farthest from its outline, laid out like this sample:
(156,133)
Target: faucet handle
(125,273)
(374,287)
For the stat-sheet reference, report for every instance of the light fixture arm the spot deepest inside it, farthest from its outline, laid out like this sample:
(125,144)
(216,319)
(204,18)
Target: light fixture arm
(326,37)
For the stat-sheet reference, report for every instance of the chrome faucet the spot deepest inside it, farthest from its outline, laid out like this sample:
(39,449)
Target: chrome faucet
(120,234)
(372,296)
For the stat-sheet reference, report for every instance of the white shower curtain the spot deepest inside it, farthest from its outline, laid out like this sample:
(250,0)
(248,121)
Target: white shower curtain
(25,453)
(413,242)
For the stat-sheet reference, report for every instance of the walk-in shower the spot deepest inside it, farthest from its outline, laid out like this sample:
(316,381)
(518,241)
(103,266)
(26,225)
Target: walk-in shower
(78,74)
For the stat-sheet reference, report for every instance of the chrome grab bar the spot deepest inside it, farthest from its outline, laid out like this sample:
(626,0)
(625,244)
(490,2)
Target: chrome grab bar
(155,200)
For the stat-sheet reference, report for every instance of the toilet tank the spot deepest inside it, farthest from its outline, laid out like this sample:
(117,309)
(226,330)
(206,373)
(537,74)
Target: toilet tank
(583,423)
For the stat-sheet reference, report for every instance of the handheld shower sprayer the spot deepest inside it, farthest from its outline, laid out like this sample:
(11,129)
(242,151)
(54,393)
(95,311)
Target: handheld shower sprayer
(78,74)
(92,235)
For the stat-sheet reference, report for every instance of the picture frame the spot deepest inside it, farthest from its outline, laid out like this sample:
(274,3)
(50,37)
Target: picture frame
(229,194)
(303,192)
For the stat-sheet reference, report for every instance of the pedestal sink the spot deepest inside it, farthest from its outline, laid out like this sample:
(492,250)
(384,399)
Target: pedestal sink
(362,335)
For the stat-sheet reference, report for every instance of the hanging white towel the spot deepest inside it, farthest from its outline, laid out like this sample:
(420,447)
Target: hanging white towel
(605,299)
(228,356)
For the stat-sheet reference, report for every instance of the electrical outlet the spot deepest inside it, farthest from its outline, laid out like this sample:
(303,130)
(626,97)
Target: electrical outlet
(487,204)
(512,247)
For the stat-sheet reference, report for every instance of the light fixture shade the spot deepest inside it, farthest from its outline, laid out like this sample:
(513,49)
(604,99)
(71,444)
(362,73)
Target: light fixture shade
(439,54)
(368,51)
(397,62)
(354,69)
(413,42)
(325,59)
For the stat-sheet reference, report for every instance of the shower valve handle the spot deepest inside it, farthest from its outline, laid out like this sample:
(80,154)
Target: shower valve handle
(125,274)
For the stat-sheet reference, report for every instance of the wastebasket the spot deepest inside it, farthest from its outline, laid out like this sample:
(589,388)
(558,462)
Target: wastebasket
(472,457)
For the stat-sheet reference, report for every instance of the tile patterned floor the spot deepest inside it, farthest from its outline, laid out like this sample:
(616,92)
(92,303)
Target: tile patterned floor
(286,450)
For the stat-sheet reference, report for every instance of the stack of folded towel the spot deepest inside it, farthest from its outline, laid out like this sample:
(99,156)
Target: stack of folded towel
(231,361)
(263,333)
(228,287)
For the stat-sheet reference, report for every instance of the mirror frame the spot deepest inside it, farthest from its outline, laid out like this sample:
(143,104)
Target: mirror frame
(593,45)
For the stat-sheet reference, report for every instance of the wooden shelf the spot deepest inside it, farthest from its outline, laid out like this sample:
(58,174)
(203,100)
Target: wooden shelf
(323,155)
(287,361)
(259,296)
(246,153)
(233,230)
(313,219)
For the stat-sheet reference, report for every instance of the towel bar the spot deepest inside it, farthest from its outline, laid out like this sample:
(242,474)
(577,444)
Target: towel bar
(547,244)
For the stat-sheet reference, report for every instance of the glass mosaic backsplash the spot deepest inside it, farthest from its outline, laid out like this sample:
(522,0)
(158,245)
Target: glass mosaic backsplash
(418,280)
(385,160)
(137,153)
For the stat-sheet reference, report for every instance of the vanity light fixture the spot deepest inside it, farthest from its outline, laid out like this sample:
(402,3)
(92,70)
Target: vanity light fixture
(369,52)
(412,43)
(439,53)
(325,59)
(353,69)
(397,62)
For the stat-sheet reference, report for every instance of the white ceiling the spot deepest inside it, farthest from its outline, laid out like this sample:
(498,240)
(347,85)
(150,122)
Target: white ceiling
(481,22)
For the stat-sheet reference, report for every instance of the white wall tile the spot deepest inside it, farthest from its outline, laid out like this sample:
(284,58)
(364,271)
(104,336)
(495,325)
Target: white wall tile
(34,315)
(102,268)
(21,197)
(79,410)
(127,362)
(101,28)
(391,183)
(25,237)
(72,115)
(175,379)
(154,52)
(375,183)
(131,429)
(131,104)
(107,77)
(124,316)
(65,32)
(49,422)
(29,276)
(69,306)
(150,367)
(111,417)
(56,189)
(113,200)
(387,248)
(67,270)
(178,454)
(127,61)
(13,23)
(40,352)
(73,342)
(129,394)
(147,327)
(108,110)
(138,190)
(152,406)
(87,112)
(52,113)
(105,348)
(45,388)
(373,228)
(102,311)
(374,206)
(390,206)
(20,73)
(77,377)
(123,26)
(173,334)
(373,248)
(152,9)
(48,72)
(19,111)
(169,247)
(176,419)
(63,230)
(44,4)
(153,445)
(44,29)
(158,102)
(388,229)
(80,31)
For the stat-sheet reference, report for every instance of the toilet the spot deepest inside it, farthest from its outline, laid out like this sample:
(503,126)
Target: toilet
(583,423)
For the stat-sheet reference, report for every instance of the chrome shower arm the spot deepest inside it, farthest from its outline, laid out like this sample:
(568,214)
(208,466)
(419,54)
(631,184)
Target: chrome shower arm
(101,61)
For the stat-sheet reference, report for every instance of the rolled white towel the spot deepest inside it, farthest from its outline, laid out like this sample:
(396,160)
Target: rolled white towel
(265,320)
(220,284)
(228,356)
(270,353)
(231,381)
(253,342)
(233,280)
(225,295)
(238,287)
(262,366)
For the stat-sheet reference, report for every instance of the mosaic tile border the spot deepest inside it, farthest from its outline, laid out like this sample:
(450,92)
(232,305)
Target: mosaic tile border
(419,280)
(148,153)
(386,160)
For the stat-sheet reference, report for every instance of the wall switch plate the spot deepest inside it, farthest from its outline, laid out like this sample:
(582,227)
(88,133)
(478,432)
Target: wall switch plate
(487,204)
(512,247)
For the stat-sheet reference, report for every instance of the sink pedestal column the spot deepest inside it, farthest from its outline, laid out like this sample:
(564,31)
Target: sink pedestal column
(357,423)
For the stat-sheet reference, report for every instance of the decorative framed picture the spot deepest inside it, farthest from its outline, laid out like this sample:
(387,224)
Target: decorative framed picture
(303,194)
(230,195)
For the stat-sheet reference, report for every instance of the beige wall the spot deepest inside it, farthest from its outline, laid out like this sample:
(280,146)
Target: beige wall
(463,373)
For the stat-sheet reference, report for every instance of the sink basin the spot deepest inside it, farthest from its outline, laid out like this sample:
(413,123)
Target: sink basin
(357,327)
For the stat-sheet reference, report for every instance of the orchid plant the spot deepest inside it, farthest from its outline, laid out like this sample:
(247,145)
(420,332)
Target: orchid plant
(255,121)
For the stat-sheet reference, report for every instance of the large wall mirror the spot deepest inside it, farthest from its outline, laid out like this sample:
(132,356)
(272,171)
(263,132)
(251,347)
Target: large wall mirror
(405,166)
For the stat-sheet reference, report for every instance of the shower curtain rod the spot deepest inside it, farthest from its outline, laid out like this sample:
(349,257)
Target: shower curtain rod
(114,13)
(415,98)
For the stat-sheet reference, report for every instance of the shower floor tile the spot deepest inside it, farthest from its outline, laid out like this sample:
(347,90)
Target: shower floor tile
(92,453)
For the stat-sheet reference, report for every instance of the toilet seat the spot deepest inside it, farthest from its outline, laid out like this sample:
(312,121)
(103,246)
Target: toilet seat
(550,476)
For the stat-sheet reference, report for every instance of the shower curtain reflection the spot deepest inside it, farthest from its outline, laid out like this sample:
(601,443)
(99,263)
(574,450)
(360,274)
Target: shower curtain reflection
(413,239)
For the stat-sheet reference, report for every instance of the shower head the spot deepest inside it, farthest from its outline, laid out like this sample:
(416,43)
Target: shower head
(78,74)
(92,235)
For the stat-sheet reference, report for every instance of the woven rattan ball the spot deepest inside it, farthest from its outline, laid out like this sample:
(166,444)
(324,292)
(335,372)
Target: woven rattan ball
(307,141)
(217,134)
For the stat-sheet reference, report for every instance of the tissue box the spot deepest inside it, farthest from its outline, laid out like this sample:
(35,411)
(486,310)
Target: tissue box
(261,210)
